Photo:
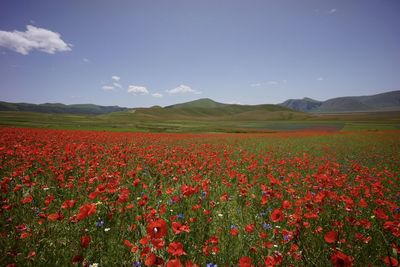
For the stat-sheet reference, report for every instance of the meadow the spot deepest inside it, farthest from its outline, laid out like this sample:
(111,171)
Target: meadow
(101,198)
(203,121)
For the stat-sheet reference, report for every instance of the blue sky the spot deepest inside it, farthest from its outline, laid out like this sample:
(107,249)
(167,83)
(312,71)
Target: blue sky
(144,53)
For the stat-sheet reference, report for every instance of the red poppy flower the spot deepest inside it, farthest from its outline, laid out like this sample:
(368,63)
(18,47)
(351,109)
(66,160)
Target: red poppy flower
(21,227)
(390,261)
(157,229)
(245,262)
(128,243)
(150,259)
(178,228)
(331,237)
(68,204)
(234,231)
(381,214)
(269,261)
(26,200)
(277,215)
(249,228)
(174,263)
(286,204)
(25,235)
(54,216)
(176,249)
(213,240)
(264,199)
(123,195)
(144,240)
(363,203)
(86,210)
(85,241)
(133,248)
(158,243)
(339,259)
(77,258)
(31,255)
(191,264)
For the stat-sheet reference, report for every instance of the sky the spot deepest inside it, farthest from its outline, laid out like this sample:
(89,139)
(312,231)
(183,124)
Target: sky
(144,53)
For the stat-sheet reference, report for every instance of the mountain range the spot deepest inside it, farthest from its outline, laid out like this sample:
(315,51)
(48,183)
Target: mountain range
(389,101)
(209,109)
(60,108)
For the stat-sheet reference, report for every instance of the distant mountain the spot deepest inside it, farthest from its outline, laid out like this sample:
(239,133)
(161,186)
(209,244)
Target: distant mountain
(59,108)
(207,109)
(389,101)
(306,104)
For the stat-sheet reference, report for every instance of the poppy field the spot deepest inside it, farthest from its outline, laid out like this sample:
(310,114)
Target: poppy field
(95,198)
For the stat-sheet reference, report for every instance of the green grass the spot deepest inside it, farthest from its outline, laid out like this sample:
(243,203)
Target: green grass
(368,126)
(203,120)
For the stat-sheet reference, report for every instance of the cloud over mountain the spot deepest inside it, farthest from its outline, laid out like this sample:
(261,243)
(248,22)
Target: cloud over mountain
(182,89)
(33,38)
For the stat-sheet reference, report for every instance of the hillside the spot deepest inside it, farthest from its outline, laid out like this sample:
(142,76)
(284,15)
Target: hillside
(207,109)
(199,103)
(59,108)
(389,101)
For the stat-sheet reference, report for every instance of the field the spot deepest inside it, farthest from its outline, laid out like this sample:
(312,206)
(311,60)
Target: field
(203,120)
(101,198)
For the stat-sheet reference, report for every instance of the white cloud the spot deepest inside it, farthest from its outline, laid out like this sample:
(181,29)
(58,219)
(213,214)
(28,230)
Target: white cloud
(33,38)
(117,84)
(158,95)
(320,79)
(85,60)
(333,10)
(182,89)
(137,90)
(116,78)
(108,88)
(266,83)
(255,84)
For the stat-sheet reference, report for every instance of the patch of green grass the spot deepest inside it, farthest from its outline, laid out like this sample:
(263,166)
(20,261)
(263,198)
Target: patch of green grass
(369,126)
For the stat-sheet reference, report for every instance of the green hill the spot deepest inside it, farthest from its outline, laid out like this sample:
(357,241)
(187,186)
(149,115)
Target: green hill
(207,109)
(199,103)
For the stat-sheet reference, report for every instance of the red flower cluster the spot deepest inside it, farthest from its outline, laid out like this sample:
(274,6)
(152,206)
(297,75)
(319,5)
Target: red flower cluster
(142,199)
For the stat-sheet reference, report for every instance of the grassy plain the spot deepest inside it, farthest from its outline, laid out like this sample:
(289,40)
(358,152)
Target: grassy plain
(159,121)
